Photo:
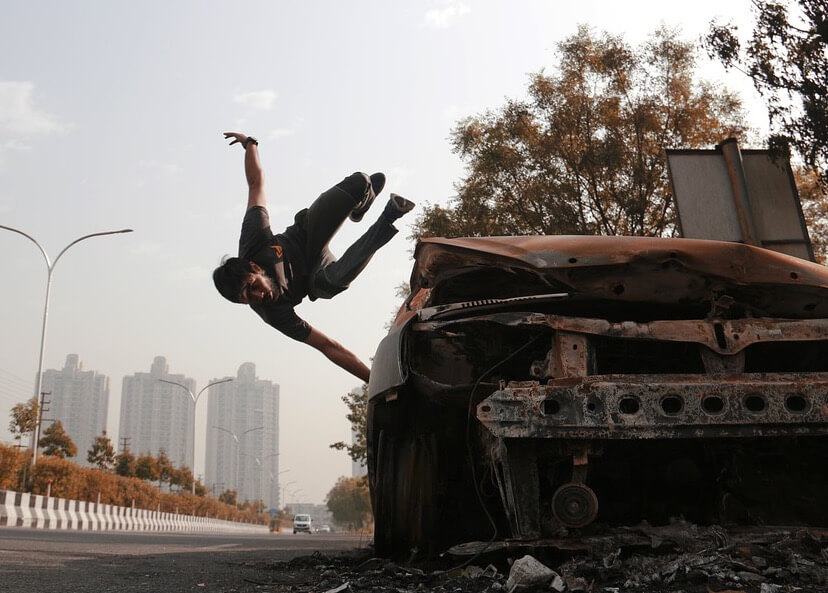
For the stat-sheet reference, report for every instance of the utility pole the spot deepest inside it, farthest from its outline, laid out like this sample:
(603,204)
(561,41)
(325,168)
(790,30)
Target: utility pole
(125,443)
(43,402)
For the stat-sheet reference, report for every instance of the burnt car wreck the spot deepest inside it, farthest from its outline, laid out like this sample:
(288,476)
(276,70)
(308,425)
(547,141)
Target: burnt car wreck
(533,387)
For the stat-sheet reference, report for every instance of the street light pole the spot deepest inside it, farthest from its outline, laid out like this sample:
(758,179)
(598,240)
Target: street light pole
(284,488)
(238,449)
(50,266)
(274,481)
(194,398)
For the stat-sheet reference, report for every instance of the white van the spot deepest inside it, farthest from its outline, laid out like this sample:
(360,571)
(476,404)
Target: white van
(302,523)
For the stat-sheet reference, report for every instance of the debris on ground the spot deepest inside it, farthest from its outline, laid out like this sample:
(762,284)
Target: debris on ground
(528,571)
(679,559)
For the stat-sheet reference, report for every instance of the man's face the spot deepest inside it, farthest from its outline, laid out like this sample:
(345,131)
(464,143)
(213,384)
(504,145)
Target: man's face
(257,287)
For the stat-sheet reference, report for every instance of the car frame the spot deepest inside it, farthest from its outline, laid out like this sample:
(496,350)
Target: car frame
(535,387)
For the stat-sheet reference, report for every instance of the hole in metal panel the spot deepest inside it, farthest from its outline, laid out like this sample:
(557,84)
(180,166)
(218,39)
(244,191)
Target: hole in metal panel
(551,407)
(713,404)
(796,404)
(672,405)
(486,408)
(720,335)
(629,405)
(755,403)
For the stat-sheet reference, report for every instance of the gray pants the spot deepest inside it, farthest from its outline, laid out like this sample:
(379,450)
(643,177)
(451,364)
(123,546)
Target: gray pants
(329,276)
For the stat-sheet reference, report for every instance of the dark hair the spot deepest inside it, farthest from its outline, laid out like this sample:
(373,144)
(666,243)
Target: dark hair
(229,277)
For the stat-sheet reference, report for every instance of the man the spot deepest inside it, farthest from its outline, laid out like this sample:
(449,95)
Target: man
(274,273)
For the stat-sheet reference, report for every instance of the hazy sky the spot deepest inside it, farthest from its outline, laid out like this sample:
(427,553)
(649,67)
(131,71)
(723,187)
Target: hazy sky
(111,116)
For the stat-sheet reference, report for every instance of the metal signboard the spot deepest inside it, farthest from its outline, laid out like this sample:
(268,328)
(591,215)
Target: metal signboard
(745,196)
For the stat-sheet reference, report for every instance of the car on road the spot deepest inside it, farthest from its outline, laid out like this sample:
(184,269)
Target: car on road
(302,523)
(539,387)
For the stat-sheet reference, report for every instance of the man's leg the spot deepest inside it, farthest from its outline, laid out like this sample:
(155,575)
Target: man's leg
(332,276)
(329,211)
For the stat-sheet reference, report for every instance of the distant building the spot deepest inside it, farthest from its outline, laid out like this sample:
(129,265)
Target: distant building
(243,437)
(80,400)
(157,415)
(358,468)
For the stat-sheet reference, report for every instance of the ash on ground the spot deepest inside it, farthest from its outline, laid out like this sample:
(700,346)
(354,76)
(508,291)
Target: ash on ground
(679,558)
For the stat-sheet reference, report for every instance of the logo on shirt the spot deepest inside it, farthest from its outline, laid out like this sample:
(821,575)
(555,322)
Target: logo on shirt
(278,249)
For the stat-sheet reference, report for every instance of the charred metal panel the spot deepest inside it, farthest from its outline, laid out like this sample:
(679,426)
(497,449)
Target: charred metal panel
(653,406)
(569,356)
(518,481)
(438,259)
(388,370)
(726,337)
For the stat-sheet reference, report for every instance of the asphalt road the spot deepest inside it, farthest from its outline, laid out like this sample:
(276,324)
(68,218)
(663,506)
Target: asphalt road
(43,561)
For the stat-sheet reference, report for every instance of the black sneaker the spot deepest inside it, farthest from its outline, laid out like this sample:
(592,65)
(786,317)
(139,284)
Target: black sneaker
(396,207)
(377,183)
(401,204)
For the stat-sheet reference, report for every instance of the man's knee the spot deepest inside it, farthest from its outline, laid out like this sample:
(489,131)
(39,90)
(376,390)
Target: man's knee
(321,287)
(355,185)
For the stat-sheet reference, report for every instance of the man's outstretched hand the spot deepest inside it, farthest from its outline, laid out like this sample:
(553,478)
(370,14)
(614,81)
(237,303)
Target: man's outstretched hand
(237,137)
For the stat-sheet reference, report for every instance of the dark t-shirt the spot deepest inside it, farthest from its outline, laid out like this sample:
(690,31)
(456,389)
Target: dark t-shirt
(282,258)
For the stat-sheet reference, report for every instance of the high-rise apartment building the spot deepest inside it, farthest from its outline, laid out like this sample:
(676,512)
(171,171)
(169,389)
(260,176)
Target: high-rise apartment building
(80,400)
(157,415)
(243,437)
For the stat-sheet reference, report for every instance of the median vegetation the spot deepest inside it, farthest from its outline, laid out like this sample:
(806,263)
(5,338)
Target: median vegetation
(59,477)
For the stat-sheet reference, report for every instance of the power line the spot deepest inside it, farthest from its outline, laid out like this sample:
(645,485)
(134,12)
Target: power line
(11,377)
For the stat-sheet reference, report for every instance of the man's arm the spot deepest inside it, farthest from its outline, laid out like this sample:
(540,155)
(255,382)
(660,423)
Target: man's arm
(338,354)
(252,169)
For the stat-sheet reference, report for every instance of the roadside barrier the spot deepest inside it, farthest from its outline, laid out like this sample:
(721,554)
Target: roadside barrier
(21,509)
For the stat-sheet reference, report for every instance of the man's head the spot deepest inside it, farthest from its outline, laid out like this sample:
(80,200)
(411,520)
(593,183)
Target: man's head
(242,281)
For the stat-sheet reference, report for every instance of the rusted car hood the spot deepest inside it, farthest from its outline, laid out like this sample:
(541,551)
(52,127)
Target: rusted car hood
(627,268)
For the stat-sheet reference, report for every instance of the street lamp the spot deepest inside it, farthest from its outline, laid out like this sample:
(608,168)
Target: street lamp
(50,266)
(238,449)
(274,481)
(284,488)
(194,398)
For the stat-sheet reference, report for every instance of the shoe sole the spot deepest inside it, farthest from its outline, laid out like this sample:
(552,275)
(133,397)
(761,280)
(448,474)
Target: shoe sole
(377,183)
(401,204)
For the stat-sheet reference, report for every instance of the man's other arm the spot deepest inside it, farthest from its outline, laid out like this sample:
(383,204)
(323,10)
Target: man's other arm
(252,170)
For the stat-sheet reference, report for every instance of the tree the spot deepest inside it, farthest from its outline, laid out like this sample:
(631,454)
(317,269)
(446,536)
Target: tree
(23,418)
(102,452)
(165,467)
(228,497)
(357,402)
(787,59)
(181,477)
(584,153)
(146,467)
(814,198)
(349,501)
(56,442)
(125,464)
